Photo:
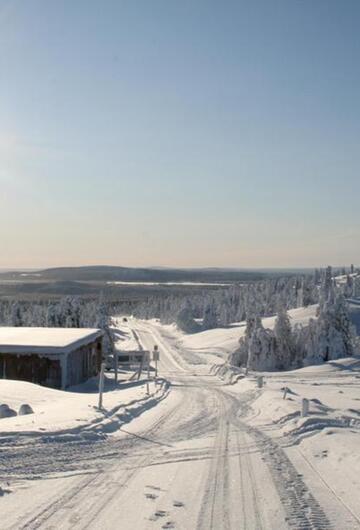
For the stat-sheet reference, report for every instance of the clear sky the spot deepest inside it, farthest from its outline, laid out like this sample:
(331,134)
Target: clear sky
(181,133)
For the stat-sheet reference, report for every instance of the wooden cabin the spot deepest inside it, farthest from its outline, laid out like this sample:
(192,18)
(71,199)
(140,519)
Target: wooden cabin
(53,357)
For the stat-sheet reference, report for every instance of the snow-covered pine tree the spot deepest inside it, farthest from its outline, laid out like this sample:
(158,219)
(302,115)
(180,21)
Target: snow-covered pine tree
(335,333)
(210,320)
(261,348)
(16,315)
(327,283)
(284,340)
(185,320)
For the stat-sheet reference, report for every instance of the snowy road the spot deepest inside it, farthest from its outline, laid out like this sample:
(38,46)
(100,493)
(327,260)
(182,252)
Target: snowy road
(192,462)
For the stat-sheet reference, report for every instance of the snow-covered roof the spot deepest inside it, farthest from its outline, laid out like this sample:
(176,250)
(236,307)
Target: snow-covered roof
(45,341)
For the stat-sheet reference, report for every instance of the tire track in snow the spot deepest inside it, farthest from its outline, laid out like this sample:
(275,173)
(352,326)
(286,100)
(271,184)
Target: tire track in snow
(214,512)
(302,509)
(82,490)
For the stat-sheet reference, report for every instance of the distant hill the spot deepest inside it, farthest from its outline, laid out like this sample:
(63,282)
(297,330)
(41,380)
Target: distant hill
(129,274)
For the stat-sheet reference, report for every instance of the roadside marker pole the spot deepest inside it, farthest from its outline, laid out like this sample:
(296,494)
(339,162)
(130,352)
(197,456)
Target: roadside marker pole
(148,373)
(305,408)
(156,358)
(101,385)
(116,359)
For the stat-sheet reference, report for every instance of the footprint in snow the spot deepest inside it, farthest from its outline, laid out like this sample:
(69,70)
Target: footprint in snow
(169,524)
(151,496)
(178,504)
(161,513)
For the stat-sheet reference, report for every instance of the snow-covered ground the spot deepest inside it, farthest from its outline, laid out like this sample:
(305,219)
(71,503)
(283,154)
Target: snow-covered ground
(328,439)
(211,455)
(324,444)
(73,411)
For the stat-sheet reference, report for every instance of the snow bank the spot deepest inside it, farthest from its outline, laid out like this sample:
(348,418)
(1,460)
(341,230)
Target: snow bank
(58,411)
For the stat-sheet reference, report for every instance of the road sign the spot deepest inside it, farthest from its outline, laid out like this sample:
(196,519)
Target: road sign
(156,355)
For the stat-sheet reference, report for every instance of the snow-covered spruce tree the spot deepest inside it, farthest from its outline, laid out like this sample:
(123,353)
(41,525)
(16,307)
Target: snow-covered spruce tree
(357,287)
(225,314)
(334,330)
(241,355)
(210,320)
(261,348)
(103,322)
(185,320)
(310,292)
(327,283)
(284,354)
(16,319)
(349,286)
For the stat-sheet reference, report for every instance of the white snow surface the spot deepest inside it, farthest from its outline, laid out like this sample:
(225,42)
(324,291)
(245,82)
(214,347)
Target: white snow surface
(211,455)
(45,340)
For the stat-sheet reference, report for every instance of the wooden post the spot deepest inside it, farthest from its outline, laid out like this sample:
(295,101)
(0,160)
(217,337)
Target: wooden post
(116,361)
(148,372)
(156,358)
(260,381)
(101,385)
(305,408)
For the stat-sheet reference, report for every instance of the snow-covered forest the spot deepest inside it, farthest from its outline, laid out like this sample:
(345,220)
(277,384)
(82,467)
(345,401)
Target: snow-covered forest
(328,336)
(68,312)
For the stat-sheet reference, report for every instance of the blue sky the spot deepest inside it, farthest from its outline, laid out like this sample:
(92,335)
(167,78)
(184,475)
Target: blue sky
(179,133)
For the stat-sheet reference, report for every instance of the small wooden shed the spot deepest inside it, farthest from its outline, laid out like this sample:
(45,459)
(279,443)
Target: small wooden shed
(53,357)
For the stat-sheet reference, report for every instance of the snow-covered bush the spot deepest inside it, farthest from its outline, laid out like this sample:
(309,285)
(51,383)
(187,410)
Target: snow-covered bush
(25,409)
(6,411)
